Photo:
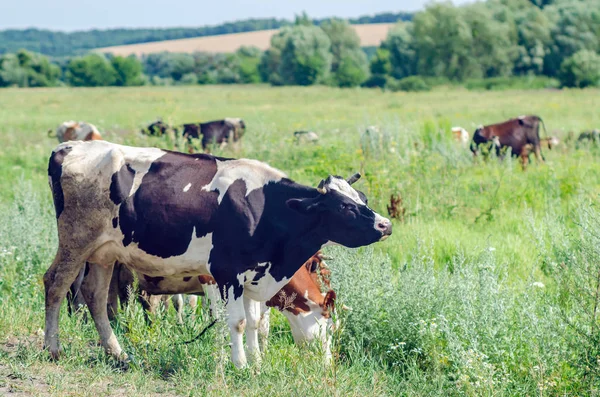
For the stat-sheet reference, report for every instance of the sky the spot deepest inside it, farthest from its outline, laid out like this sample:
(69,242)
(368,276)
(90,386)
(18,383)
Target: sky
(70,15)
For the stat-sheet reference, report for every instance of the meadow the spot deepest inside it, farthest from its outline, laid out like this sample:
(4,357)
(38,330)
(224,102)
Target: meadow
(489,286)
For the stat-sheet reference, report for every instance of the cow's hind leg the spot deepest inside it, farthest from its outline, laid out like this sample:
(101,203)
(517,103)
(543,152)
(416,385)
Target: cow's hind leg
(95,291)
(178,303)
(263,326)
(75,301)
(57,280)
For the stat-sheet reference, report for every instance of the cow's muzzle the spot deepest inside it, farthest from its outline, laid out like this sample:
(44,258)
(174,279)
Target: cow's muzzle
(385,227)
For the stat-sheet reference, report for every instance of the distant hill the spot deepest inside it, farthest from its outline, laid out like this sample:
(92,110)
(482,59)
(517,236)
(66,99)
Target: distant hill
(55,43)
(370,35)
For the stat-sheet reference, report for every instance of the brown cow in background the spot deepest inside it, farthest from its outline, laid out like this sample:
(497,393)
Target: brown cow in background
(521,135)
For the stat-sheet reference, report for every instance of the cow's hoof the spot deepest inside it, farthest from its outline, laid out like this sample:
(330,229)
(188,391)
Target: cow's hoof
(54,353)
(240,364)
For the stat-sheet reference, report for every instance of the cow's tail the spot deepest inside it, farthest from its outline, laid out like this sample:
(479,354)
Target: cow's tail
(50,134)
(544,126)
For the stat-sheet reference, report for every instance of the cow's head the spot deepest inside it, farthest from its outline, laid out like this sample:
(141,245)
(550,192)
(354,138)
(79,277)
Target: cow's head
(552,142)
(346,218)
(239,127)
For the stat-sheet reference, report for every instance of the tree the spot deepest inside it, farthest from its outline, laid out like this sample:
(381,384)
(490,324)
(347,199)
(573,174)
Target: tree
(306,56)
(249,59)
(576,27)
(533,39)
(303,20)
(352,69)
(178,65)
(349,63)
(581,70)
(92,70)
(443,41)
(402,54)
(128,71)
(492,52)
(271,58)
(381,62)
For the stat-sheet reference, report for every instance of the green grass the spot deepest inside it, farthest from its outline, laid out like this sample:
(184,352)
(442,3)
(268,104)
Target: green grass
(447,306)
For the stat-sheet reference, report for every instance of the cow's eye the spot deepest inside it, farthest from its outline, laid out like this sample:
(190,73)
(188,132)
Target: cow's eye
(348,209)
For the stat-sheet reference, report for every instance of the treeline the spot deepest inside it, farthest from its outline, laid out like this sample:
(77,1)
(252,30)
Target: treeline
(67,44)
(498,43)
(493,40)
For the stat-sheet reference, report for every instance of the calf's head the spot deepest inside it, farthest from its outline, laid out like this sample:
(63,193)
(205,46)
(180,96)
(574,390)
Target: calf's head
(308,310)
(345,217)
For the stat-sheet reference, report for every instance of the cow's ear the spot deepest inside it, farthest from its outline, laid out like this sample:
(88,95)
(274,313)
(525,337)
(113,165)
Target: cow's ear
(329,300)
(303,206)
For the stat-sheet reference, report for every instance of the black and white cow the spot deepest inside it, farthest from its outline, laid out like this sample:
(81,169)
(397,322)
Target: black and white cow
(171,216)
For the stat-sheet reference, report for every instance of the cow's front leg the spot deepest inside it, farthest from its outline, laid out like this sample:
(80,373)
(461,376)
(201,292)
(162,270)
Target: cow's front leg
(252,309)
(236,320)
(538,153)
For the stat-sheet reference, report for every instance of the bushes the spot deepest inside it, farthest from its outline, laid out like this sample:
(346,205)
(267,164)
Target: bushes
(376,80)
(412,83)
(128,71)
(461,326)
(581,70)
(95,70)
(504,83)
(92,70)
(26,69)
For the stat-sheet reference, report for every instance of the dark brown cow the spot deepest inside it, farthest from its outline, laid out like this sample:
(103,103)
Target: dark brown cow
(521,135)
(217,132)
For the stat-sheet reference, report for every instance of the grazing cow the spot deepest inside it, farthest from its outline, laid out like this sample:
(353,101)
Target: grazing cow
(76,131)
(306,308)
(158,128)
(592,136)
(215,132)
(171,217)
(306,136)
(460,135)
(521,135)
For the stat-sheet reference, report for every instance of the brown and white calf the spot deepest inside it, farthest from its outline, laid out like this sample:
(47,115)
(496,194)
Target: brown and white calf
(76,131)
(171,217)
(460,135)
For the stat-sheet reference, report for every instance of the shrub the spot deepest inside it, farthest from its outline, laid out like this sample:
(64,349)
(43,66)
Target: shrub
(505,83)
(188,79)
(581,70)
(412,83)
(376,80)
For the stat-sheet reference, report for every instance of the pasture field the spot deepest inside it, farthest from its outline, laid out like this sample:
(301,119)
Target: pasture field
(489,286)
